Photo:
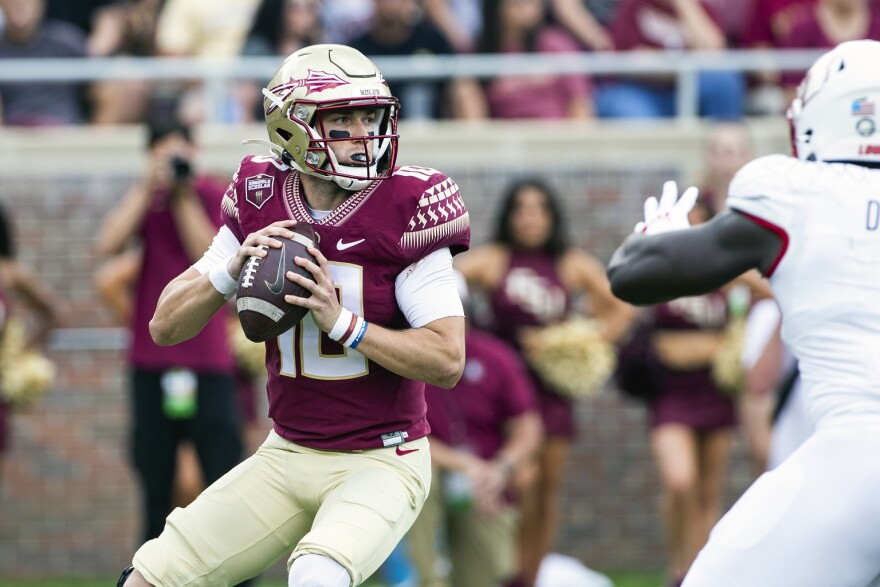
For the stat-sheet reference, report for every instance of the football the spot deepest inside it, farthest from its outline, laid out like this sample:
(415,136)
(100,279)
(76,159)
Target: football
(263,283)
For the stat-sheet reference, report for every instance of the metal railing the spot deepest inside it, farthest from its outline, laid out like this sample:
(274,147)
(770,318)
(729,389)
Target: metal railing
(217,74)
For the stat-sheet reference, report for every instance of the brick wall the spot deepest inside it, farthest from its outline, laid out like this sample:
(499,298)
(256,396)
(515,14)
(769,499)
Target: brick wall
(68,503)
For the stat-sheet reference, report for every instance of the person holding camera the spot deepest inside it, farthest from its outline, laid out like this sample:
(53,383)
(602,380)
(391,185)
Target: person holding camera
(184,392)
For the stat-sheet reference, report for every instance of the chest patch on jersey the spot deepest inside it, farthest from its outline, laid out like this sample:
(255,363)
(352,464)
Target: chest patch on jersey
(258,189)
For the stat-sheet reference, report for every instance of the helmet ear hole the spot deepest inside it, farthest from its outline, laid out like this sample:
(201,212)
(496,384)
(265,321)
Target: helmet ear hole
(284,134)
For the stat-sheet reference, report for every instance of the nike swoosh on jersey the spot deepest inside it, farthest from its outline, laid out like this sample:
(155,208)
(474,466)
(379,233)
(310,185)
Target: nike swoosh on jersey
(402,452)
(341,246)
(278,285)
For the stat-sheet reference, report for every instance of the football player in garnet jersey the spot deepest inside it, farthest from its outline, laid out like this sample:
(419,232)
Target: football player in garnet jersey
(812,225)
(346,468)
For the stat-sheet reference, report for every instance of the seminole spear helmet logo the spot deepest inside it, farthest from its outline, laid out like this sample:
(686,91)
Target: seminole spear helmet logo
(316,81)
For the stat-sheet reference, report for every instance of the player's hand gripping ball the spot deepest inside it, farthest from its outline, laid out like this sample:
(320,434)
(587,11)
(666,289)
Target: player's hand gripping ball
(263,283)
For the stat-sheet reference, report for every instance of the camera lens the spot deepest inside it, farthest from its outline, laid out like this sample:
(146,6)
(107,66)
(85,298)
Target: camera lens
(182,168)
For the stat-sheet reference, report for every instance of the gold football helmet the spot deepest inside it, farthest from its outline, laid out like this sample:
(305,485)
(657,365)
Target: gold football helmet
(317,79)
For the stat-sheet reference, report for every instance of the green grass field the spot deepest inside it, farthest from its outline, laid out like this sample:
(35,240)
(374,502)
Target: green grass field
(620,579)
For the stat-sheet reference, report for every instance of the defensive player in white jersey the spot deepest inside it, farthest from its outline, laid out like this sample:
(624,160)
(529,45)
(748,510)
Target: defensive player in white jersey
(812,225)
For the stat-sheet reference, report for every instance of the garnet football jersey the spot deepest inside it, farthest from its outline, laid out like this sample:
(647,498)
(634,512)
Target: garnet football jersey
(321,394)
(827,276)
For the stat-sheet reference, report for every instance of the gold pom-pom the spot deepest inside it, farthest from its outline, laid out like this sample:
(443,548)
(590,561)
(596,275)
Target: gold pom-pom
(572,358)
(250,356)
(25,374)
(727,371)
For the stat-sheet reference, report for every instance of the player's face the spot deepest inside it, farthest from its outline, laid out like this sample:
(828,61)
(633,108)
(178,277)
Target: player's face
(337,124)
(531,221)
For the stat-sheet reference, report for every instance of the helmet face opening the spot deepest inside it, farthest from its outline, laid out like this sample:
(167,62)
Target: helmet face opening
(311,85)
(378,146)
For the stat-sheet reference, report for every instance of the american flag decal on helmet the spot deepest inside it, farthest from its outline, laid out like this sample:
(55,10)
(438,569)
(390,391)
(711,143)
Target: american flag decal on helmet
(317,81)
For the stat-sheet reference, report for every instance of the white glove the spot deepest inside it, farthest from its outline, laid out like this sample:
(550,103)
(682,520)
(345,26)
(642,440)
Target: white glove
(670,213)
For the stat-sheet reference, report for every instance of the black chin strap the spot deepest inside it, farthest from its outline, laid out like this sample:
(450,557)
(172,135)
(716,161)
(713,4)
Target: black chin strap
(868,164)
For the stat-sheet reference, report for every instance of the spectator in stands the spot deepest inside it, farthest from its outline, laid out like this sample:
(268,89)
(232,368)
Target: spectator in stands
(280,27)
(673,26)
(484,435)
(771,22)
(79,13)
(17,280)
(460,21)
(28,36)
(531,274)
(343,20)
(199,28)
(185,391)
(576,18)
(520,26)
(827,24)
(195,28)
(398,27)
(769,25)
(734,19)
(123,28)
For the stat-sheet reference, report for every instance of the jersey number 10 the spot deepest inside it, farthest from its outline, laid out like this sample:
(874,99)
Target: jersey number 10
(312,362)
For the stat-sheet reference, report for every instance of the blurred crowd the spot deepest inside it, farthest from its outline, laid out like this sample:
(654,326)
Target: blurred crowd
(229,28)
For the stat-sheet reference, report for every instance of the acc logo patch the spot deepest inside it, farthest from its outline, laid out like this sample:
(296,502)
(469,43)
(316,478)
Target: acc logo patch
(258,189)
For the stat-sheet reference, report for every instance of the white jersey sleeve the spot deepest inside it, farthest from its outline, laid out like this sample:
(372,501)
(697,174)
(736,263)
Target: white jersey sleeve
(763,188)
(427,290)
(763,191)
(222,247)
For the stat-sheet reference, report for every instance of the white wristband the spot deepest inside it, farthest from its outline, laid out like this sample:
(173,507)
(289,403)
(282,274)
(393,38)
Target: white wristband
(222,281)
(341,326)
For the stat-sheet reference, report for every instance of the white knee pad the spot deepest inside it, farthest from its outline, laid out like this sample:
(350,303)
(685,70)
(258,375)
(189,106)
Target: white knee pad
(315,570)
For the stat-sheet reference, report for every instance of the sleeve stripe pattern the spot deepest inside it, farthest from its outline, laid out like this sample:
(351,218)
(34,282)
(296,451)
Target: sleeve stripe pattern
(441,213)
(229,205)
(412,240)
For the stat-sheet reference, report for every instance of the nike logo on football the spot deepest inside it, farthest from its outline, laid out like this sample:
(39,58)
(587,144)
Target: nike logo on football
(278,285)
(402,452)
(341,246)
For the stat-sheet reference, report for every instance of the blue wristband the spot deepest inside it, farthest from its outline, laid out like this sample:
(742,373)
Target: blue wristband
(360,336)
